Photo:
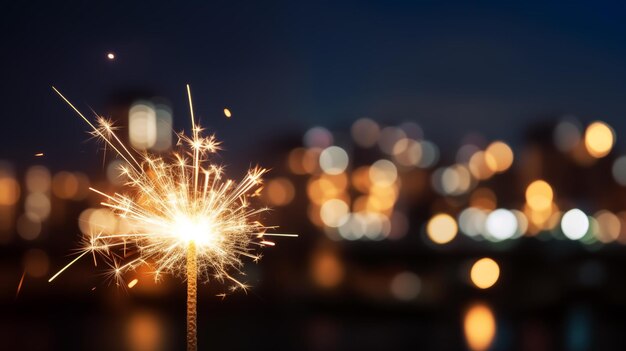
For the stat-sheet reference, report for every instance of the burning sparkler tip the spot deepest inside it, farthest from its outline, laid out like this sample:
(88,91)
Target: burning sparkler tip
(186,218)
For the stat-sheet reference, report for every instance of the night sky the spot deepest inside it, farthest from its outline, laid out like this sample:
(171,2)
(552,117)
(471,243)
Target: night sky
(283,67)
(503,69)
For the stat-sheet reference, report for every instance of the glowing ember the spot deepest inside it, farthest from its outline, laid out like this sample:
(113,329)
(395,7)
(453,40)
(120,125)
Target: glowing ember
(19,286)
(132,283)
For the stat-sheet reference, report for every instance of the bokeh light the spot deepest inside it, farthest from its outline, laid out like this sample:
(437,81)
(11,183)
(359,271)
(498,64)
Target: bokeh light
(407,152)
(539,195)
(318,137)
(567,135)
(484,273)
(334,212)
(472,221)
(499,156)
(97,220)
(609,226)
(430,154)
(9,190)
(479,326)
(327,270)
(334,160)
(142,125)
(619,170)
(479,167)
(484,199)
(441,228)
(65,185)
(365,132)
(279,191)
(389,136)
(38,179)
(28,226)
(405,286)
(501,224)
(599,139)
(145,331)
(575,224)
(164,126)
(38,205)
(383,173)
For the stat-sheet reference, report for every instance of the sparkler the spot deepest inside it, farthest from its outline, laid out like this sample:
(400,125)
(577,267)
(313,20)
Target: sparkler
(186,219)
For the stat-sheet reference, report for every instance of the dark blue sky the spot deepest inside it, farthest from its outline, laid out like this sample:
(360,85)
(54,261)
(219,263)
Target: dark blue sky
(493,66)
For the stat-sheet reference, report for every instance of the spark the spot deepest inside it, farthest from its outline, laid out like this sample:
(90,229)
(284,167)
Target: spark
(39,154)
(185,218)
(19,286)
(133,283)
(111,56)
(68,265)
(227,113)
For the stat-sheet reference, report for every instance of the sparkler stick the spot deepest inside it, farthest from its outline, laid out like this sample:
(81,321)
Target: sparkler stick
(192,293)
(180,223)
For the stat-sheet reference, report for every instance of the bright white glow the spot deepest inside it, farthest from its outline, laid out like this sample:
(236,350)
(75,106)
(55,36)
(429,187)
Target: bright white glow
(198,230)
(111,56)
(334,160)
(575,224)
(501,224)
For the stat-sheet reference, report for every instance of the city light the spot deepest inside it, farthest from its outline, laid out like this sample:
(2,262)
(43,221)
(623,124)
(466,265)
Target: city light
(599,139)
(441,228)
(479,326)
(575,224)
(485,273)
